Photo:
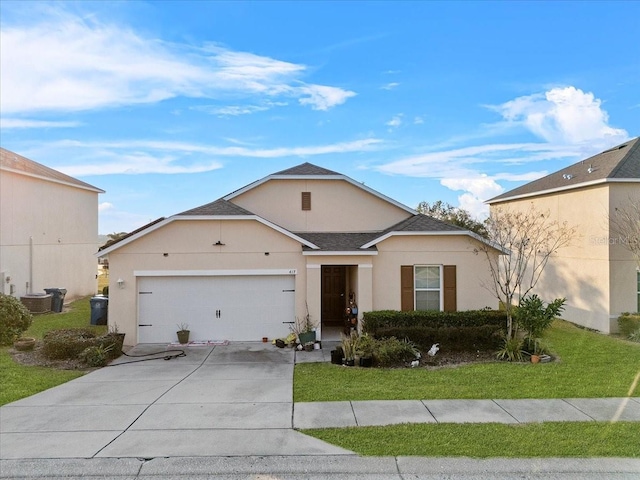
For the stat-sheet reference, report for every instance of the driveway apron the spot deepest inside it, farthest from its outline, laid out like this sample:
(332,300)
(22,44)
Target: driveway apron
(226,400)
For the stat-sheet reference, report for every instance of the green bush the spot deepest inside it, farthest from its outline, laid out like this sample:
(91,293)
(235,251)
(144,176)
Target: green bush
(628,323)
(432,319)
(389,352)
(14,319)
(468,330)
(97,355)
(68,343)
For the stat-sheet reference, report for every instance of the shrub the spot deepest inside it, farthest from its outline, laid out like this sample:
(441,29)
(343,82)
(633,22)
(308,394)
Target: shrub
(635,336)
(534,317)
(390,351)
(432,319)
(511,350)
(68,343)
(628,323)
(97,355)
(485,337)
(14,319)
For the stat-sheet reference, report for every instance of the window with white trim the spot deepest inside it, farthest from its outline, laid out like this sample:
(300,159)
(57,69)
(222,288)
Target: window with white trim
(428,287)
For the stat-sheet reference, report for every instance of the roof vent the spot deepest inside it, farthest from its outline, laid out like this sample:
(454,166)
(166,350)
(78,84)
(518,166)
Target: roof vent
(568,176)
(590,169)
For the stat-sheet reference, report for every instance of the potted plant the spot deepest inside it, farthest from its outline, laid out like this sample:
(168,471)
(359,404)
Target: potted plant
(183,333)
(534,318)
(349,347)
(305,329)
(366,346)
(117,338)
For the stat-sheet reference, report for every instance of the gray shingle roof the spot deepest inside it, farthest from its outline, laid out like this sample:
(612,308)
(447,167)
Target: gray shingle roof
(218,207)
(307,169)
(620,162)
(339,241)
(12,161)
(423,223)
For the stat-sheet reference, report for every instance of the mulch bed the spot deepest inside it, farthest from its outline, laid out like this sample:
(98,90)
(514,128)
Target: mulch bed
(36,358)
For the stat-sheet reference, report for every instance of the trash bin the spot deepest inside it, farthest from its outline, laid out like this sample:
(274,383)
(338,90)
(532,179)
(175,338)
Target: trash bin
(99,308)
(57,298)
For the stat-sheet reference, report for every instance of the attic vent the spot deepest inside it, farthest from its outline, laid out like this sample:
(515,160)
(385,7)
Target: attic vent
(306,200)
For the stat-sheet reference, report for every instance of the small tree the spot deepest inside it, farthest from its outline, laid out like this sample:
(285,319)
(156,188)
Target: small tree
(527,239)
(534,317)
(625,224)
(454,215)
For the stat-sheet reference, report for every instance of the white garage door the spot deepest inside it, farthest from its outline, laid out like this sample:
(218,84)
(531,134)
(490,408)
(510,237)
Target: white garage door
(240,308)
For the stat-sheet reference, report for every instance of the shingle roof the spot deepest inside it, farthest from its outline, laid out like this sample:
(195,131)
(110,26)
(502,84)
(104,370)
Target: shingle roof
(137,230)
(307,169)
(345,242)
(17,163)
(218,207)
(423,223)
(339,241)
(620,162)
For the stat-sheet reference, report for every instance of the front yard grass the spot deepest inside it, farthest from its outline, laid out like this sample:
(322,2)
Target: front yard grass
(558,439)
(19,381)
(588,365)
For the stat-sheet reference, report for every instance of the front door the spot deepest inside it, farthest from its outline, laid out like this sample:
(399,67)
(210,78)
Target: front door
(333,294)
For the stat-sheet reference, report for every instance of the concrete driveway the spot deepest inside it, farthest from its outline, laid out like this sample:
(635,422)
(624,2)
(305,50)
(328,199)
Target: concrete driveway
(231,400)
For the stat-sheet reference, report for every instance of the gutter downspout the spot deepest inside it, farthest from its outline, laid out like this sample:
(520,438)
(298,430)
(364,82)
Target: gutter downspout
(30,290)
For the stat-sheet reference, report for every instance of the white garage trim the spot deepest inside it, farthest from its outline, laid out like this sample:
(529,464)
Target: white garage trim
(211,273)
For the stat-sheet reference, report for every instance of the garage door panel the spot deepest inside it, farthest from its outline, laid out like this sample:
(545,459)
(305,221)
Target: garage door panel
(215,308)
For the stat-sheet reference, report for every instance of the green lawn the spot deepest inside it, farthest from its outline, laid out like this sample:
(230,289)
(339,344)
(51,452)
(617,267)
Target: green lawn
(19,381)
(588,365)
(570,439)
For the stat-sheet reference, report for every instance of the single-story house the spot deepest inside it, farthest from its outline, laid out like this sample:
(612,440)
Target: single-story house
(302,241)
(48,229)
(597,274)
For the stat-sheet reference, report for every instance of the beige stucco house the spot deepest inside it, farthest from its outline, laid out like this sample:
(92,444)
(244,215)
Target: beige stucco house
(48,229)
(596,274)
(301,240)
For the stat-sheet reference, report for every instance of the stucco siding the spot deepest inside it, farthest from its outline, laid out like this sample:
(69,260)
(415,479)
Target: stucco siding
(472,271)
(336,206)
(594,273)
(49,234)
(190,246)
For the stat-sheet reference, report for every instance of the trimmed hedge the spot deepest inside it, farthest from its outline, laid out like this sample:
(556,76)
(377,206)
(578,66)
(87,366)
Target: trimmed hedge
(629,323)
(468,330)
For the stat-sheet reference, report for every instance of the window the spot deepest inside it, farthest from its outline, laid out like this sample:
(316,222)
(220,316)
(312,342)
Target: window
(306,200)
(428,287)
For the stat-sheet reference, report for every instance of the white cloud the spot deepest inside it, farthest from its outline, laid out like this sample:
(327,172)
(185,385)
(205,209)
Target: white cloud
(7,123)
(571,124)
(395,121)
(390,86)
(566,116)
(140,156)
(105,206)
(64,62)
(477,190)
(418,121)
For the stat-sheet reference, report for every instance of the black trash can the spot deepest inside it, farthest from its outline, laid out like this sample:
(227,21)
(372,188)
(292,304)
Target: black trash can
(99,308)
(57,298)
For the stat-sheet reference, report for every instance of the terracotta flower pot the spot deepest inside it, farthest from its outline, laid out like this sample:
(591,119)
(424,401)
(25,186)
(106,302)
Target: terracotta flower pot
(535,358)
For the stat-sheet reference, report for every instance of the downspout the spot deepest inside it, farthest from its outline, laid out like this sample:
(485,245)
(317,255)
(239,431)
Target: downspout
(30,266)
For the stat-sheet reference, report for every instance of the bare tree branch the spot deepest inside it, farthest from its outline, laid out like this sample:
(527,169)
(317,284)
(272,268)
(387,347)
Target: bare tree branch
(625,226)
(529,239)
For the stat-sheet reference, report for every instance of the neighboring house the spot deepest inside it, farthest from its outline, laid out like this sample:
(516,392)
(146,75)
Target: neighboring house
(300,240)
(48,229)
(596,274)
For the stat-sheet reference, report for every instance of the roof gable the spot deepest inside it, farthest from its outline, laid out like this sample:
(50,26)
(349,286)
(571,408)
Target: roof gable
(616,164)
(15,163)
(218,207)
(307,169)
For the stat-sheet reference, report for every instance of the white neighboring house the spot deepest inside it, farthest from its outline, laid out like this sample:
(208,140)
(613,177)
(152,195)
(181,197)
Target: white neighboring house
(48,229)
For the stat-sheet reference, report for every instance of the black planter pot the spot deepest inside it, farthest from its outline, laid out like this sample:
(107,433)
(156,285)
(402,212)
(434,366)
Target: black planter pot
(336,357)
(350,363)
(366,362)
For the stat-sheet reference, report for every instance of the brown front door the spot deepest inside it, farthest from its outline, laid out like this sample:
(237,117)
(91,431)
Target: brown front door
(333,294)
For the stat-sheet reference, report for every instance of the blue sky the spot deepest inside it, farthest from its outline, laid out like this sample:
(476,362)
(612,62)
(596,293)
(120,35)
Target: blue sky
(171,105)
